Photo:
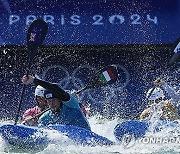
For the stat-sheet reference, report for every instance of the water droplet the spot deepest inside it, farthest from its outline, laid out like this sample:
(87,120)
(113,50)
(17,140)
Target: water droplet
(5,51)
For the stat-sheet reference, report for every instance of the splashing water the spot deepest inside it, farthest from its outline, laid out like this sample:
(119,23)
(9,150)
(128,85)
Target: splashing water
(104,128)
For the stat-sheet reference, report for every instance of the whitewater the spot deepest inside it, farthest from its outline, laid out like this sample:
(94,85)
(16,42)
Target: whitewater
(151,143)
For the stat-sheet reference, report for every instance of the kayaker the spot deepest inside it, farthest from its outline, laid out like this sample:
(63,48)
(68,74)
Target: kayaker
(29,117)
(168,109)
(64,106)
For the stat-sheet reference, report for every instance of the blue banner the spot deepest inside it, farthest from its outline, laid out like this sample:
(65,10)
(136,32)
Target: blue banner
(92,22)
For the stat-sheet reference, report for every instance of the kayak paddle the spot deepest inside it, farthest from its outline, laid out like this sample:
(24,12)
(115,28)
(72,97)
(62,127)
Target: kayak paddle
(35,37)
(174,59)
(103,77)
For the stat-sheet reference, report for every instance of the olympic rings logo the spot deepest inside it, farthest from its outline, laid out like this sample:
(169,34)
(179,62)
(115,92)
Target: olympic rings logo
(81,75)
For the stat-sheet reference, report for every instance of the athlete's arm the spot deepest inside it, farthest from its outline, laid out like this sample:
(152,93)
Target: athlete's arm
(63,95)
(175,97)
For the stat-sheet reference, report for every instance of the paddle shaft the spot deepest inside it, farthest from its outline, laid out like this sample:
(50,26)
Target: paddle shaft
(81,90)
(22,94)
(35,116)
(160,77)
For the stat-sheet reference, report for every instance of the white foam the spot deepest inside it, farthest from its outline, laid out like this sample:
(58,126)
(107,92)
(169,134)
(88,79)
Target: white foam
(102,127)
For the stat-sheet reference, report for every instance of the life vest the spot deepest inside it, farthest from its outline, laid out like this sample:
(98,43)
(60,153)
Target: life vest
(69,114)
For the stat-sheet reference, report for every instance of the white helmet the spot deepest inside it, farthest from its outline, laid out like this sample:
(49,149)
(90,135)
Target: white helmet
(156,94)
(39,91)
(178,92)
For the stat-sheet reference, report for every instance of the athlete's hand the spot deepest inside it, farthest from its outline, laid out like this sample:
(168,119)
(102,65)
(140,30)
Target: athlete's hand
(158,82)
(74,92)
(27,79)
(30,121)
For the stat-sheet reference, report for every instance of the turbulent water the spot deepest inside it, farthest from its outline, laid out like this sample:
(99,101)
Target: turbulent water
(105,128)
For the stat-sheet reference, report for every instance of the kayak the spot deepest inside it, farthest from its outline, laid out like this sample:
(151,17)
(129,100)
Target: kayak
(40,137)
(138,129)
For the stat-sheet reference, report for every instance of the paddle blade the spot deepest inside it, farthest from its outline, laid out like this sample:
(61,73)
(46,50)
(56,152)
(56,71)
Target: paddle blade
(176,57)
(104,77)
(35,36)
